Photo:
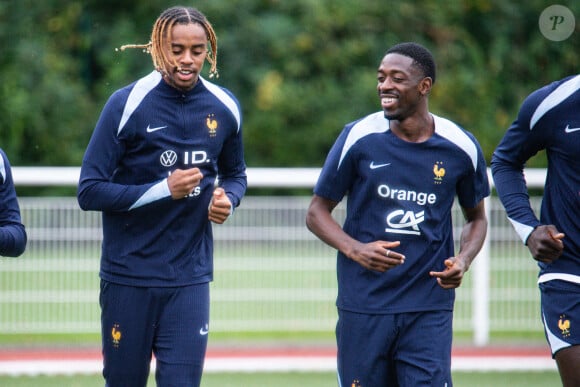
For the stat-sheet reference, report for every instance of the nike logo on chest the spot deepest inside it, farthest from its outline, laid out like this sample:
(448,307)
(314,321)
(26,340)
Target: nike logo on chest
(375,166)
(570,130)
(151,130)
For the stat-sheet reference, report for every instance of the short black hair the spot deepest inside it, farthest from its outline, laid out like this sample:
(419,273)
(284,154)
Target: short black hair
(421,56)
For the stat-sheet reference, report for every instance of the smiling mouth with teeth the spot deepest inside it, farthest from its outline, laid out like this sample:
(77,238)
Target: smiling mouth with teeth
(388,102)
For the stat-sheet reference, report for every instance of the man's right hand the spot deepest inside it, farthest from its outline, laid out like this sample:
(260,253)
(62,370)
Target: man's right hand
(545,243)
(182,182)
(377,256)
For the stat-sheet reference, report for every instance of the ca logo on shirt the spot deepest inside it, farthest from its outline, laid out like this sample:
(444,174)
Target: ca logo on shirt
(405,222)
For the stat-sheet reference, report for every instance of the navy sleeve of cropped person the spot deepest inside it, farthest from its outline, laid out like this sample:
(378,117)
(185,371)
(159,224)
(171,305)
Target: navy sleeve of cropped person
(540,125)
(12,232)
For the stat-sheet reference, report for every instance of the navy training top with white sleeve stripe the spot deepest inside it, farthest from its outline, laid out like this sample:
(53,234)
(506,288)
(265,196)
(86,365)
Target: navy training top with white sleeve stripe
(401,191)
(549,118)
(145,131)
(13,236)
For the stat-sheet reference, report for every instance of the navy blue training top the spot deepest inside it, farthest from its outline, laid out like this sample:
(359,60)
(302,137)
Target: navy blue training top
(13,236)
(549,119)
(145,131)
(401,191)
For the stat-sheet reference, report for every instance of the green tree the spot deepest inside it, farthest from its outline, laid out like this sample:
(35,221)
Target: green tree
(301,69)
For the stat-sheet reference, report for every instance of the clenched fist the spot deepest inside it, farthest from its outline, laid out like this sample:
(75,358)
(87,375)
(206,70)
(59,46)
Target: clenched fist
(220,206)
(182,182)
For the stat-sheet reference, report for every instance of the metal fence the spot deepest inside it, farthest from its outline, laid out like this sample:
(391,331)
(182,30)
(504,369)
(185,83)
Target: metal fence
(271,273)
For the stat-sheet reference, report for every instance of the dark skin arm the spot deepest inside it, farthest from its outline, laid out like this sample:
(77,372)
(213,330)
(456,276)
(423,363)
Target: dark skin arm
(545,243)
(472,238)
(372,256)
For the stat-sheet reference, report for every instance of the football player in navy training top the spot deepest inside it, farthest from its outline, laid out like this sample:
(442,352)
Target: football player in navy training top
(12,232)
(164,161)
(401,168)
(549,119)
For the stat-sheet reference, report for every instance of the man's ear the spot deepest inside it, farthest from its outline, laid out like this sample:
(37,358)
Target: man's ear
(425,86)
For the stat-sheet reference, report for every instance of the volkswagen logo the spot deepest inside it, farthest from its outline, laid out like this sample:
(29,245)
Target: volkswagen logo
(168,158)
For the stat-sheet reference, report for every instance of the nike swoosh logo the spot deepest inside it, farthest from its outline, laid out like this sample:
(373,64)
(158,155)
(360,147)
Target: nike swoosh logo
(204,331)
(151,130)
(571,130)
(375,166)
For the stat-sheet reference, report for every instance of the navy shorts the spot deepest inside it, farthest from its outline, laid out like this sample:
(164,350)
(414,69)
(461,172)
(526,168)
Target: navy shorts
(560,302)
(171,323)
(404,349)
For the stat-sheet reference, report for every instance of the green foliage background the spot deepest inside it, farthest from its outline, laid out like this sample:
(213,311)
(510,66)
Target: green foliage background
(300,68)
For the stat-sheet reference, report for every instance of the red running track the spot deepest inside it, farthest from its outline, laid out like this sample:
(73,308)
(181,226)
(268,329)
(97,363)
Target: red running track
(30,361)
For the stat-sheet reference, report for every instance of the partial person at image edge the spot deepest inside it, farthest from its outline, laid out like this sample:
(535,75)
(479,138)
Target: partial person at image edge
(549,119)
(13,238)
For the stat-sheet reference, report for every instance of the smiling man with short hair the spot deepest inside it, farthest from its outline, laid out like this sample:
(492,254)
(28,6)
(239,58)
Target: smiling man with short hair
(401,169)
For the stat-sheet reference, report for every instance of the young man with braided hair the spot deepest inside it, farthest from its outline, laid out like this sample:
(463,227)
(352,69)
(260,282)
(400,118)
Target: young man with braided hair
(401,168)
(164,161)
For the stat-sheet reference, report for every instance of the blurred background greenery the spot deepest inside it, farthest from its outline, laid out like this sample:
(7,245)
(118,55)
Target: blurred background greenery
(300,68)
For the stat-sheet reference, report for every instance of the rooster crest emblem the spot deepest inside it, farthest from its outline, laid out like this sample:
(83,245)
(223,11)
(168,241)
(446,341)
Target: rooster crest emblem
(564,326)
(439,172)
(211,124)
(116,335)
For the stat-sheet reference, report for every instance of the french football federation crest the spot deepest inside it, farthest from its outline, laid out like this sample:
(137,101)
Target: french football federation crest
(564,325)
(439,172)
(211,124)
(116,335)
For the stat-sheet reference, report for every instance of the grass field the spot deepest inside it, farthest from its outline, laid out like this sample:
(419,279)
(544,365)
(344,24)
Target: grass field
(316,379)
(274,284)
(270,274)
(41,295)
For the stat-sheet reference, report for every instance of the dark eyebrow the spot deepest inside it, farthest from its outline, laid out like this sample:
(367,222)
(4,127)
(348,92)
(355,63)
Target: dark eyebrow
(202,45)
